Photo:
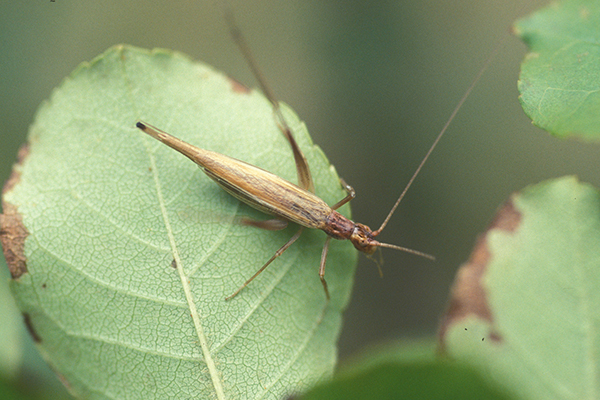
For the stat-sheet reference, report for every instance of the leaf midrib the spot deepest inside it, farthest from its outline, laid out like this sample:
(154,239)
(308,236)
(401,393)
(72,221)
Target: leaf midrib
(208,359)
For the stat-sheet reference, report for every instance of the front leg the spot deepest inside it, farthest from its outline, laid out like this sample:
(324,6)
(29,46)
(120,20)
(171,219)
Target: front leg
(351,194)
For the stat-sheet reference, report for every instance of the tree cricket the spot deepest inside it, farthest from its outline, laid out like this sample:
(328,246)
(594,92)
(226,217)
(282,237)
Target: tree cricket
(287,201)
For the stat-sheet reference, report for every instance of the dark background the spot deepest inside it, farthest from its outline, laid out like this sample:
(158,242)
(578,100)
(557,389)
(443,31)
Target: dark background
(374,83)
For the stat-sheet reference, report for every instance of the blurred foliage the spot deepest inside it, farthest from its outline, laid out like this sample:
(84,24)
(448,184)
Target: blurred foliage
(559,77)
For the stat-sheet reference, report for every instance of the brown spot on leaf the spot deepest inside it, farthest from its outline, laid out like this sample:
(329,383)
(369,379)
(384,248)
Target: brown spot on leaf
(238,87)
(507,218)
(12,237)
(15,177)
(12,230)
(22,153)
(31,329)
(468,296)
(174,264)
(494,337)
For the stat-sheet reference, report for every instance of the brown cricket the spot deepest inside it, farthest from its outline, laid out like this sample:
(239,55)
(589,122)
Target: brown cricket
(286,201)
(276,196)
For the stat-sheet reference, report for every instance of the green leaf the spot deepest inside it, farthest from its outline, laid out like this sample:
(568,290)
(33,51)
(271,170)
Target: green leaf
(18,356)
(411,381)
(10,392)
(560,77)
(526,308)
(131,251)
(405,371)
(11,344)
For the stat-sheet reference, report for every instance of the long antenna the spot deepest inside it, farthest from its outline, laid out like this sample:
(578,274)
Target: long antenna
(407,250)
(487,63)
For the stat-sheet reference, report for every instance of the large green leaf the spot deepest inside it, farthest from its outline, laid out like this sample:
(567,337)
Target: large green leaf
(130,252)
(560,78)
(406,370)
(425,381)
(526,308)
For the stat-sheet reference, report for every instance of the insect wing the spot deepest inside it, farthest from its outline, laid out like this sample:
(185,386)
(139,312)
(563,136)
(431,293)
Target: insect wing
(267,192)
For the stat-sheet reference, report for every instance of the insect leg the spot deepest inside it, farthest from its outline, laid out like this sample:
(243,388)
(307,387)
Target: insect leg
(277,254)
(322,267)
(302,169)
(351,194)
(304,176)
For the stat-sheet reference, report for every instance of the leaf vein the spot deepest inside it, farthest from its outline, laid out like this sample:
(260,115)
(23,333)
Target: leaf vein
(208,359)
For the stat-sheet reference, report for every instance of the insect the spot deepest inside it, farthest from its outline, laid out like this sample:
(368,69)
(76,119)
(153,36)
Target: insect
(286,201)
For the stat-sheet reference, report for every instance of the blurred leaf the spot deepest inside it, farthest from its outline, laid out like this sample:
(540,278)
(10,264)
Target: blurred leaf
(10,392)
(397,372)
(560,76)
(526,306)
(25,389)
(11,345)
(404,351)
(107,210)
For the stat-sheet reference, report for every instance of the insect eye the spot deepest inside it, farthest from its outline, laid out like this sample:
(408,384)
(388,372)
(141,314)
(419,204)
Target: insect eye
(361,239)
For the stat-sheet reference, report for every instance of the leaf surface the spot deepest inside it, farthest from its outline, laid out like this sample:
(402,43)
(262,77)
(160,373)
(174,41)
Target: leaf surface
(560,77)
(405,371)
(526,307)
(131,251)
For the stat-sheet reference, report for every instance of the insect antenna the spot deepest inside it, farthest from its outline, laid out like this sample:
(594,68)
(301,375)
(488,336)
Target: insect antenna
(406,250)
(486,64)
